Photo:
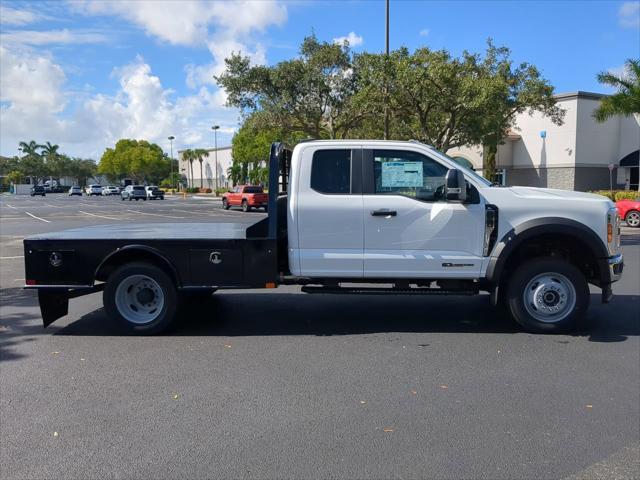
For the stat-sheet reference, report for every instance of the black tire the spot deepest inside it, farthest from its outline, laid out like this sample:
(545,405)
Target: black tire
(166,285)
(225,204)
(563,282)
(122,198)
(144,199)
(245,206)
(634,215)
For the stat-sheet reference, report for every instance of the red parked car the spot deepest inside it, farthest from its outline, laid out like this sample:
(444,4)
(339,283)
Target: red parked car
(629,211)
(247,197)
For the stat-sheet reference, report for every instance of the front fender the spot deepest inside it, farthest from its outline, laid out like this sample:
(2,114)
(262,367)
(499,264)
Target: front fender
(545,226)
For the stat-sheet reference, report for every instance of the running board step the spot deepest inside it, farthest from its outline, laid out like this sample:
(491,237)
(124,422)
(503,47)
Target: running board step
(386,291)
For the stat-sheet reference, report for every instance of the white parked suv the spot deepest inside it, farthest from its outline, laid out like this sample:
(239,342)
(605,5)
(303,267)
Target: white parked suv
(93,190)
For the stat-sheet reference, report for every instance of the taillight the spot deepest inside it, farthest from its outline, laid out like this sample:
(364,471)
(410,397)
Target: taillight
(609,233)
(31,282)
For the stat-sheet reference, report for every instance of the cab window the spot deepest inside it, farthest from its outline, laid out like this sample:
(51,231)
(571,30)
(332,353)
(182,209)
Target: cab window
(331,171)
(407,173)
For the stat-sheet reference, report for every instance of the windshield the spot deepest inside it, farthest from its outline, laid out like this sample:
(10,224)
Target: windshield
(464,168)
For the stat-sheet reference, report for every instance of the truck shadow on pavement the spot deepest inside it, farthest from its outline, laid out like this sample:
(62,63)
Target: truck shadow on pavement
(259,314)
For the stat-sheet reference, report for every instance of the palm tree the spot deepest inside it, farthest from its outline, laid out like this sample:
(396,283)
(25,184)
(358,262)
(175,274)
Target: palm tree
(188,156)
(30,148)
(627,100)
(49,151)
(234,172)
(200,153)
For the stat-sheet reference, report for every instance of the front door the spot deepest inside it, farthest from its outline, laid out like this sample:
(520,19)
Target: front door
(410,231)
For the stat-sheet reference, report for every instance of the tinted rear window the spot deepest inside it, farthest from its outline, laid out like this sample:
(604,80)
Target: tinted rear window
(138,188)
(331,171)
(253,190)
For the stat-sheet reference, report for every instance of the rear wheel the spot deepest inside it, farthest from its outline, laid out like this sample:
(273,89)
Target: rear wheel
(632,218)
(245,206)
(141,297)
(547,295)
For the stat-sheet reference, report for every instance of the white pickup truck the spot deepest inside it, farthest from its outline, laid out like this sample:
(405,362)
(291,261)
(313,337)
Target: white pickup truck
(401,217)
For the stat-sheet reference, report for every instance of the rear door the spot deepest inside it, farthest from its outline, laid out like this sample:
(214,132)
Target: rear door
(410,231)
(329,212)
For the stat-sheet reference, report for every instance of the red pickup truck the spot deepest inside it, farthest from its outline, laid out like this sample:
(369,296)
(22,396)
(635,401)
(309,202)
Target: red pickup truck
(247,197)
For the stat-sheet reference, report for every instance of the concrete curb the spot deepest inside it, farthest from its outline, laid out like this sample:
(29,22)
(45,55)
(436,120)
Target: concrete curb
(202,197)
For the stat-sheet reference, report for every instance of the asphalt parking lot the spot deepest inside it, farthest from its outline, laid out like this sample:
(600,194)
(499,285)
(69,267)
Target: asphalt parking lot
(278,384)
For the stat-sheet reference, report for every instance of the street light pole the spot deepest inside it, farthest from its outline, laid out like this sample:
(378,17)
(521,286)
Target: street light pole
(386,84)
(173,183)
(215,146)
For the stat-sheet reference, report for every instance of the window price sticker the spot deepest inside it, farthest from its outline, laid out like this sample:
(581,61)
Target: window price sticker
(402,174)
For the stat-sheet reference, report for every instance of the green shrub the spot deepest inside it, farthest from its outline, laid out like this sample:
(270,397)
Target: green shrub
(626,195)
(193,190)
(221,191)
(618,194)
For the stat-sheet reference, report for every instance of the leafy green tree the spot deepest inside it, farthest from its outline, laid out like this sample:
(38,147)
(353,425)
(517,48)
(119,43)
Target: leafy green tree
(137,159)
(626,101)
(310,94)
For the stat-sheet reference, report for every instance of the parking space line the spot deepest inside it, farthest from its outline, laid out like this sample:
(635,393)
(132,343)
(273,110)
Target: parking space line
(37,218)
(99,216)
(11,206)
(154,214)
(193,212)
(11,258)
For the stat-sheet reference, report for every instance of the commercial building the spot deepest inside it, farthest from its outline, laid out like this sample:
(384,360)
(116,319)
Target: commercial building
(212,173)
(577,155)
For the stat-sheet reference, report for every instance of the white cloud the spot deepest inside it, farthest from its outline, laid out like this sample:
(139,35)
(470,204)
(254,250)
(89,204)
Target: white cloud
(223,27)
(35,105)
(629,15)
(353,39)
(64,36)
(30,82)
(424,32)
(13,16)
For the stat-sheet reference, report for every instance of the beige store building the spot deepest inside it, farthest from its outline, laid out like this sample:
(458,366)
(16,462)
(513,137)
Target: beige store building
(573,156)
(214,173)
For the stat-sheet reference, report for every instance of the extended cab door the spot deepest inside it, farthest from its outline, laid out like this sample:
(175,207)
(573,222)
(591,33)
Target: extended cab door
(410,231)
(329,213)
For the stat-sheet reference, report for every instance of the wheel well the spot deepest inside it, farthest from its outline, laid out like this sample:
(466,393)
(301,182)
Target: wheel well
(568,247)
(134,255)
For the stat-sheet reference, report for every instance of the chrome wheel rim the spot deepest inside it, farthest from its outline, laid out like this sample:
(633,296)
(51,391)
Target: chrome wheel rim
(633,219)
(139,299)
(549,297)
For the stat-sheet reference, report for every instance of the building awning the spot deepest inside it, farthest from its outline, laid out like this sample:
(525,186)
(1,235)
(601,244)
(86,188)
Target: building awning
(631,160)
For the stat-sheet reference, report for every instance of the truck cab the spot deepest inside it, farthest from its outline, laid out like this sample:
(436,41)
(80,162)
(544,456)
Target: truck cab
(399,217)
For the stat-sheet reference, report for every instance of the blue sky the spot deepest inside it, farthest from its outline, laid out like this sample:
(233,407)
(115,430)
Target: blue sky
(86,73)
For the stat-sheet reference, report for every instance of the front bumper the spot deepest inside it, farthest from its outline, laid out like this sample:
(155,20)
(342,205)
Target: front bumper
(615,266)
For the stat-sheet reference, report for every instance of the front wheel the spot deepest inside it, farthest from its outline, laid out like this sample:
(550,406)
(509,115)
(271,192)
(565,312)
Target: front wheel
(141,297)
(245,206)
(225,204)
(547,295)
(632,218)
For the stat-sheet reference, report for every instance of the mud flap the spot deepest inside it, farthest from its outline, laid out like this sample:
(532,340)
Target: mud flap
(53,305)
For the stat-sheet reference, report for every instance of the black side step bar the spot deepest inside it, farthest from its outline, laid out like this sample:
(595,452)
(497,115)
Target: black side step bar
(386,291)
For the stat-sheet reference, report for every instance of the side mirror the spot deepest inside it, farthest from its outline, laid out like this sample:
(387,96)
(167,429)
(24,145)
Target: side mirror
(455,185)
